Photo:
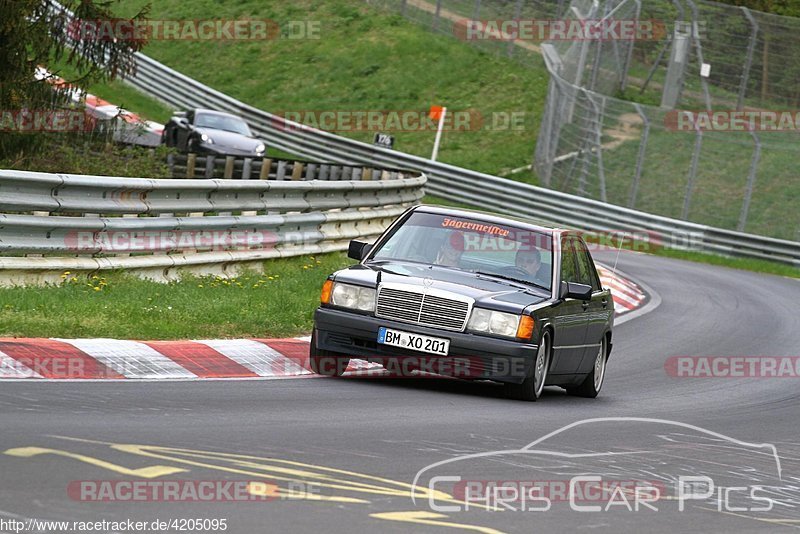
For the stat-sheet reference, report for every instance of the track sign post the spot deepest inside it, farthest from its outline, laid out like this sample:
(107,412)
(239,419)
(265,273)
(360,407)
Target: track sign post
(383,140)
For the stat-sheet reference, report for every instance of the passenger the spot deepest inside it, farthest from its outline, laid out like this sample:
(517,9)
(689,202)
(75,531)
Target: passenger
(450,253)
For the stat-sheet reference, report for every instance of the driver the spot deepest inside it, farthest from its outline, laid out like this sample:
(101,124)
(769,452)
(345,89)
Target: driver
(529,260)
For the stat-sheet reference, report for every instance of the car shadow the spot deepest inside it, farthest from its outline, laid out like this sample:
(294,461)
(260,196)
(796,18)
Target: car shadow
(454,386)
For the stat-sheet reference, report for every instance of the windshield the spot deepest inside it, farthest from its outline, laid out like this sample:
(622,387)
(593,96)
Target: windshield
(222,122)
(470,244)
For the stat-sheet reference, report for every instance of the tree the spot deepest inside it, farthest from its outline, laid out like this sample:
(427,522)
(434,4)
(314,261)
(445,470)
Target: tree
(35,32)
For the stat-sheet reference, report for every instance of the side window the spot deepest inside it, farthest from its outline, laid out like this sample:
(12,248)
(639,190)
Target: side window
(568,271)
(586,271)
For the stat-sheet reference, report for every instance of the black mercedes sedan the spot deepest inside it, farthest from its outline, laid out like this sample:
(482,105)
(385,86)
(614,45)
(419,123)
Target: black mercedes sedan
(203,131)
(471,295)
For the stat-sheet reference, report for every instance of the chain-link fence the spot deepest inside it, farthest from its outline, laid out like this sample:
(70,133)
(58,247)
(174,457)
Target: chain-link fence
(610,128)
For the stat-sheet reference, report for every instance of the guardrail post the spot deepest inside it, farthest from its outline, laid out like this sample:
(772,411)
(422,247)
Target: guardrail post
(228,167)
(297,171)
(687,199)
(637,175)
(366,173)
(751,180)
(266,166)
(247,165)
(190,163)
(210,166)
(281,172)
(323,171)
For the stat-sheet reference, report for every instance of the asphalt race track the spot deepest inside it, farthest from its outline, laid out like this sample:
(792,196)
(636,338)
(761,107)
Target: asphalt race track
(340,455)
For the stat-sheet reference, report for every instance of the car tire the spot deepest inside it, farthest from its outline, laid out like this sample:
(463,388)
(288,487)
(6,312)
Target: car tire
(591,386)
(326,362)
(531,388)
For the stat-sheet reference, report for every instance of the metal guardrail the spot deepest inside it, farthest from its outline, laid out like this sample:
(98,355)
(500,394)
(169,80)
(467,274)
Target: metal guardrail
(157,227)
(456,183)
(248,168)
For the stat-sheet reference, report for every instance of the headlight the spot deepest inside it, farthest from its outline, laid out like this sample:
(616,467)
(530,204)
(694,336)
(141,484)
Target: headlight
(260,148)
(206,139)
(355,297)
(494,322)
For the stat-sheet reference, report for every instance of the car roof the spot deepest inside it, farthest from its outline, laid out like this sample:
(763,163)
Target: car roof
(213,112)
(490,218)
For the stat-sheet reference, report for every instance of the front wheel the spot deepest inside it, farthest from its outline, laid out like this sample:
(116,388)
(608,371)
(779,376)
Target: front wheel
(531,388)
(325,362)
(594,381)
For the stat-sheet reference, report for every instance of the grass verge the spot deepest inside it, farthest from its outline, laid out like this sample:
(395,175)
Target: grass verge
(278,303)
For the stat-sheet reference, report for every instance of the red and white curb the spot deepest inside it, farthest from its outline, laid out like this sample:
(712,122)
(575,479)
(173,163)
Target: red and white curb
(627,294)
(130,127)
(116,359)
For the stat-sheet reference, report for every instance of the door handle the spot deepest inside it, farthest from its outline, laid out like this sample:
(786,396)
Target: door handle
(605,303)
(585,306)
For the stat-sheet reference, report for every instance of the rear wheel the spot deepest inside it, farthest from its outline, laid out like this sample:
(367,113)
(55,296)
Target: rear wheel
(594,381)
(325,362)
(531,388)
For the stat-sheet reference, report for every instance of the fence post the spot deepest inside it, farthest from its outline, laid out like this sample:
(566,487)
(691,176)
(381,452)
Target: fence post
(517,14)
(637,176)
(751,180)
(435,26)
(699,51)
(687,199)
(476,12)
(629,53)
(751,47)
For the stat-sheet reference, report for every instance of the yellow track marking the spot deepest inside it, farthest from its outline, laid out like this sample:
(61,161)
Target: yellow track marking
(153,471)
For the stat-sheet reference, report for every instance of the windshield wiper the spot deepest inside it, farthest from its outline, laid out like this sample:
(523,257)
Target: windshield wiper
(512,279)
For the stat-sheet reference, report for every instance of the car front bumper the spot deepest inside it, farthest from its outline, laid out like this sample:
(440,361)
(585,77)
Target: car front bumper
(470,356)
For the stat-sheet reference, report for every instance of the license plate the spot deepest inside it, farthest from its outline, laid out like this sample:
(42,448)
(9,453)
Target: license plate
(419,343)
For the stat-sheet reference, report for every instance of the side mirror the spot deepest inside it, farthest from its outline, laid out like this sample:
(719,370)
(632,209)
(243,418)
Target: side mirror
(183,121)
(358,249)
(571,290)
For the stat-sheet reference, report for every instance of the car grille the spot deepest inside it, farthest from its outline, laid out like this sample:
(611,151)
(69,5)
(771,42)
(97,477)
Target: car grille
(425,308)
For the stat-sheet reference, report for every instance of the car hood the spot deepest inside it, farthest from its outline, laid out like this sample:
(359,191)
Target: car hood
(488,292)
(230,139)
